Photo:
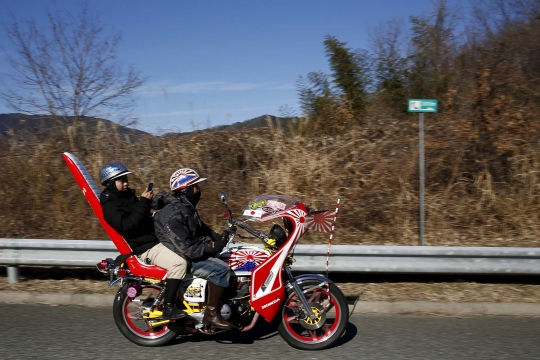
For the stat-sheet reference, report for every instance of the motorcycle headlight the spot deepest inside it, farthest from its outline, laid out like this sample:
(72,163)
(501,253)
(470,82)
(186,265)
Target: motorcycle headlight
(278,234)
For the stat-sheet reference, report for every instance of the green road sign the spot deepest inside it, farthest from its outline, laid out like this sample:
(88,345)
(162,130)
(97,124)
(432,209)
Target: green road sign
(422,105)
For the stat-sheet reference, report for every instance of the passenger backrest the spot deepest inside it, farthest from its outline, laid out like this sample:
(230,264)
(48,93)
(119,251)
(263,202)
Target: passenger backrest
(91,192)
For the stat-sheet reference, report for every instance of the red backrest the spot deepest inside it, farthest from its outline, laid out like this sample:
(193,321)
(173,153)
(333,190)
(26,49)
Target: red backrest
(91,192)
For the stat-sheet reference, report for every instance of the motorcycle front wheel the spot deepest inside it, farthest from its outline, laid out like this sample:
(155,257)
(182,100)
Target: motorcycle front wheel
(330,308)
(128,318)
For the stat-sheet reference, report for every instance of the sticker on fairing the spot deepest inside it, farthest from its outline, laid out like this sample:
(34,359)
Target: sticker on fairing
(276,204)
(258,204)
(194,292)
(268,209)
(254,213)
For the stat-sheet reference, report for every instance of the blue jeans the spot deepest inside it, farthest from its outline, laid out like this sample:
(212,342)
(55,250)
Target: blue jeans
(213,270)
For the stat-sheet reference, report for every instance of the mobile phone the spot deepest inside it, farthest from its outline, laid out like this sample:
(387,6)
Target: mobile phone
(150,186)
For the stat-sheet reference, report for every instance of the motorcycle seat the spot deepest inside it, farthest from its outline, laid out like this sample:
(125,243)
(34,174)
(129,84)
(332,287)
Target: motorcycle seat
(139,268)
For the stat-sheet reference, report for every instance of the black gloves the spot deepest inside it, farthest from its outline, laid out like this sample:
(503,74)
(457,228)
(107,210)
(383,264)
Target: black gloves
(220,244)
(225,235)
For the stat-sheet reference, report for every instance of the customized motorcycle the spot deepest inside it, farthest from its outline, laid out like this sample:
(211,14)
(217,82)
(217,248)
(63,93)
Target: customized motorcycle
(310,311)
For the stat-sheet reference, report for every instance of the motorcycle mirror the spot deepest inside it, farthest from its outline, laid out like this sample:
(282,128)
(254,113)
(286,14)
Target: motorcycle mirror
(228,212)
(223,198)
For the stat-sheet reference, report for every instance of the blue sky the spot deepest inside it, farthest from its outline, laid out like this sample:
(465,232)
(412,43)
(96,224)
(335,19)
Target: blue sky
(214,62)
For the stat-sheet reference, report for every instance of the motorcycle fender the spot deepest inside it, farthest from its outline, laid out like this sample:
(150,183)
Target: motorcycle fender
(305,277)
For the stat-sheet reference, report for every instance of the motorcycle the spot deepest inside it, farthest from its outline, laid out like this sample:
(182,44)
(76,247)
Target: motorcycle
(310,311)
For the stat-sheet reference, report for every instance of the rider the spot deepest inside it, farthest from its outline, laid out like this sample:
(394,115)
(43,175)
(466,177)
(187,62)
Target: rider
(179,227)
(131,217)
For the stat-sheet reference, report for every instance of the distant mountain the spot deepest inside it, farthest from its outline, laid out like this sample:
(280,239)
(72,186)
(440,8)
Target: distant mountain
(29,128)
(43,126)
(264,121)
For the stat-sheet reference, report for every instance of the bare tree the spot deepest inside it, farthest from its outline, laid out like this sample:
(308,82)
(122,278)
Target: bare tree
(391,73)
(68,69)
(434,44)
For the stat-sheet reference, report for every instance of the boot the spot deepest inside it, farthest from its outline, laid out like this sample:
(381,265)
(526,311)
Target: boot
(170,312)
(211,313)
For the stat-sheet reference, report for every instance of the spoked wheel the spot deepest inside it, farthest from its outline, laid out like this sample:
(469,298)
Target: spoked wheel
(129,320)
(331,316)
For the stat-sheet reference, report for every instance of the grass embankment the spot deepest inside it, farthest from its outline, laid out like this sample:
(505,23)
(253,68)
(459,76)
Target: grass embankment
(365,288)
(373,171)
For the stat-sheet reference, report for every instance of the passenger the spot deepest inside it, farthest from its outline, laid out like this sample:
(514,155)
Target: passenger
(131,217)
(179,227)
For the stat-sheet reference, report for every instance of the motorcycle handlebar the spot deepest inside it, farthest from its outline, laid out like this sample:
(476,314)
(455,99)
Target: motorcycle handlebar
(252,231)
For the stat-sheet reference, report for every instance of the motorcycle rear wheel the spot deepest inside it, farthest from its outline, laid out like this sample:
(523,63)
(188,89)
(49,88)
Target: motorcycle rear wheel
(329,305)
(127,316)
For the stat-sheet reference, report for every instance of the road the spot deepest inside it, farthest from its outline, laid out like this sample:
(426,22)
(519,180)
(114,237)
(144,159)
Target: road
(70,332)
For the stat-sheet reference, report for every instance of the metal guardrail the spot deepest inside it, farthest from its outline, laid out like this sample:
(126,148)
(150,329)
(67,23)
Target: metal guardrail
(309,258)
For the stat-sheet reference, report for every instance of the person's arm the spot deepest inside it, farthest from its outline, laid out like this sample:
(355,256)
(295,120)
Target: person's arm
(192,247)
(207,231)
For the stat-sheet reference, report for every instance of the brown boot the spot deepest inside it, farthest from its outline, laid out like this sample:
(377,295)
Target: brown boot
(211,313)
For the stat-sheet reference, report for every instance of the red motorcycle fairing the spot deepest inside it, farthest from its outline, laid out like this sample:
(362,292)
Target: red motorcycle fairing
(269,275)
(269,304)
(91,193)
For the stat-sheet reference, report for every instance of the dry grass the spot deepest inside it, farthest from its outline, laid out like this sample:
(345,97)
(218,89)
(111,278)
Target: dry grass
(89,281)
(443,292)
(373,171)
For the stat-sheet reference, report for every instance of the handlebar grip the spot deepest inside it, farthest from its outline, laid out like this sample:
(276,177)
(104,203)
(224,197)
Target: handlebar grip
(251,230)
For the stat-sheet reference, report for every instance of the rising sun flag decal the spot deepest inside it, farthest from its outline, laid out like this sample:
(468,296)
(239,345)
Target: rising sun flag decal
(321,221)
(244,259)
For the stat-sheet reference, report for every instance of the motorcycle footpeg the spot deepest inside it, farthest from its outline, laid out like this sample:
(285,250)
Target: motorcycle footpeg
(238,327)
(212,331)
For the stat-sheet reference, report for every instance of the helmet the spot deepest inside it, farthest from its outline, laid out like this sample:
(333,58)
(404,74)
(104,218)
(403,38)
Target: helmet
(111,171)
(182,178)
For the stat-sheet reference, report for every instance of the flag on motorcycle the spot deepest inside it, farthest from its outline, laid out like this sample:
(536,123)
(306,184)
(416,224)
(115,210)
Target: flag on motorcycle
(321,221)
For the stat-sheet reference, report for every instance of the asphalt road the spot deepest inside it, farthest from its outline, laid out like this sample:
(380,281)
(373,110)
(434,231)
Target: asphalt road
(70,332)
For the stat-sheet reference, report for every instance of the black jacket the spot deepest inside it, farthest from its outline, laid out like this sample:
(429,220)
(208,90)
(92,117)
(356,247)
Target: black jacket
(128,215)
(179,227)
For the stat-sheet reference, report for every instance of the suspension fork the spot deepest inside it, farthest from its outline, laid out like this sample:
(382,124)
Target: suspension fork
(298,291)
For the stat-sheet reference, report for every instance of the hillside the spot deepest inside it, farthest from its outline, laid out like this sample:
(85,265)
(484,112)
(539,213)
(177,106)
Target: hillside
(28,127)
(32,127)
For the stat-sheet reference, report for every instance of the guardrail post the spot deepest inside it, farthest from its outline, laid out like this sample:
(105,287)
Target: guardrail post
(13,274)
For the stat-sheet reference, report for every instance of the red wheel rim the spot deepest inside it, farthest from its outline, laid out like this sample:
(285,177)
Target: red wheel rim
(141,326)
(311,336)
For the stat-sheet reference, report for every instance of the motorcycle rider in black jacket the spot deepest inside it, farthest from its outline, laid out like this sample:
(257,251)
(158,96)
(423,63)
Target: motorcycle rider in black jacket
(179,227)
(131,217)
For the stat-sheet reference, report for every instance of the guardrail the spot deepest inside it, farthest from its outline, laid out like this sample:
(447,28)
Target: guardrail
(309,258)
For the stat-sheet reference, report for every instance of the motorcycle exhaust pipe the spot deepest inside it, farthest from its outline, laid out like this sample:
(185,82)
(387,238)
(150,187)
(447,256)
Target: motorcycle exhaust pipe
(252,324)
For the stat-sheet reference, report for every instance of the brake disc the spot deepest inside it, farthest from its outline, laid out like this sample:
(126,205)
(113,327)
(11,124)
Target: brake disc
(318,321)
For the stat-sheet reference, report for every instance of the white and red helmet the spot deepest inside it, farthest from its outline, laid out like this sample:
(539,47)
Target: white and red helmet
(182,178)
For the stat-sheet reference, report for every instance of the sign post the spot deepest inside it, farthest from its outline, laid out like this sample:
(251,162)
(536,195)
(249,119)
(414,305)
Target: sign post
(421,106)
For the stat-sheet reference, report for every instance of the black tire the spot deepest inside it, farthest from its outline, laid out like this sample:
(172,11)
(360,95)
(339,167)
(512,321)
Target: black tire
(332,320)
(137,330)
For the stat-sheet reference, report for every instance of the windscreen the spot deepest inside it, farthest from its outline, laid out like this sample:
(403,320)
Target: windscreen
(267,205)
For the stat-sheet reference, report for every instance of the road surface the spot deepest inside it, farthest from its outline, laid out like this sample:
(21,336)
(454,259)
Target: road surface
(70,332)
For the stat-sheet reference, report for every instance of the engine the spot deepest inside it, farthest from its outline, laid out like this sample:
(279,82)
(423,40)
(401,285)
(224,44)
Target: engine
(236,299)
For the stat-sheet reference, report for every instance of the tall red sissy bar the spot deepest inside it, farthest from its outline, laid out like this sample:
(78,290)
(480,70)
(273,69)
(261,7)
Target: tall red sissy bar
(91,192)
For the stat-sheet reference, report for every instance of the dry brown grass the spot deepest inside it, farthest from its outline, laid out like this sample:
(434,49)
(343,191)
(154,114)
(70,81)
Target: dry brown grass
(373,169)
(90,281)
